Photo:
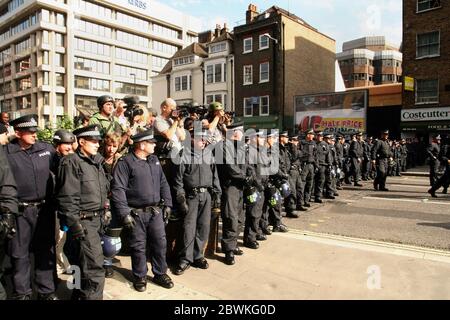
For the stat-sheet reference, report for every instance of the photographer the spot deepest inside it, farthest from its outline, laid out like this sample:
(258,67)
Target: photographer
(169,125)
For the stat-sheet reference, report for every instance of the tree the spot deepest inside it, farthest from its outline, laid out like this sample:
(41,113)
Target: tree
(65,122)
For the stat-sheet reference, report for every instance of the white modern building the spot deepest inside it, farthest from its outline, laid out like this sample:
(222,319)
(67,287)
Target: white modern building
(57,55)
(201,73)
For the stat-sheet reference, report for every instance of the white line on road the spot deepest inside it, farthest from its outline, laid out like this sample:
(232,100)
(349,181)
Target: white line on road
(370,245)
(409,200)
(410,186)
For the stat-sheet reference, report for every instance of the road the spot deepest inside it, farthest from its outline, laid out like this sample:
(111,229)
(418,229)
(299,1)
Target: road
(406,214)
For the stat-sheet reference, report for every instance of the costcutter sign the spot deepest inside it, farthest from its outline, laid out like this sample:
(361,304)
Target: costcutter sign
(426,114)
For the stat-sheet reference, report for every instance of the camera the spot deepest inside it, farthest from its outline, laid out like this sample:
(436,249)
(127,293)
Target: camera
(132,108)
(180,113)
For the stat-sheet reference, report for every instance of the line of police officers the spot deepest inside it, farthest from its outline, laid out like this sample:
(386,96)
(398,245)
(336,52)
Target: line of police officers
(253,179)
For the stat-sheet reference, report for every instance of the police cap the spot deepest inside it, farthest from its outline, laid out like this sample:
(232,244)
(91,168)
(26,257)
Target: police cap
(319,133)
(359,134)
(310,131)
(272,134)
(146,135)
(328,136)
(26,123)
(89,132)
(385,131)
(284,134)
(63,136)
(437,137)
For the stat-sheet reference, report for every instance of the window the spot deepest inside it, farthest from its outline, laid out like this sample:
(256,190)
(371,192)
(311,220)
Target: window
(264,106)
(129,55)
(129,88)
(45,36)
(168,32)
(427,91)
(93,47)
(23,84)
(59,60)
(23,46)
(209,74)
(263,42)
(46,99)
(129,72)
(224,72)
(60,19)
(248,45)
(59,39)
(132,39)
(46,78)
(91,84)
(60,100)
(424,5)
(24,102)
(248,107)
(184,60)
(164,47)
(248,75)
(218,48)
(45,15)
(264,72)
(218,73)
(183,83)
(91,65)
(59,80)
(209,99)
(218,98)
(428,44)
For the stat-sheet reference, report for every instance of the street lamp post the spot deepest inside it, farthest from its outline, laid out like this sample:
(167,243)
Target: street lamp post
(134,88)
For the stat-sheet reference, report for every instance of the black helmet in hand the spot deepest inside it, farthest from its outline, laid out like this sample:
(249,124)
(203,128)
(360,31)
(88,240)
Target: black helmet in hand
(63,136)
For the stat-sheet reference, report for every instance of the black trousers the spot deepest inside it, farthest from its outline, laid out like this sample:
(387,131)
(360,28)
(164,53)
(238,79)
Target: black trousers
(232,206)
(295,184)
(356,170)
(382,169)
(197,224)
(307,178)
(87,254)
(35,234)
(2,258)
(252,220)
(319,181)
(443,181)
(434,171)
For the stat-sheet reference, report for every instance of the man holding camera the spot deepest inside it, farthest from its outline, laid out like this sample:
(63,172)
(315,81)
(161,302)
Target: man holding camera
(169,125)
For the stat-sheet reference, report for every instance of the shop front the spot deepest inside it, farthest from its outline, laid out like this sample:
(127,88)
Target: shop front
(423,123)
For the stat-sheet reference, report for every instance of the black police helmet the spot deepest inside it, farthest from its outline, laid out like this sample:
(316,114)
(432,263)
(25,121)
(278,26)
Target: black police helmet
(63,136)
(103,99)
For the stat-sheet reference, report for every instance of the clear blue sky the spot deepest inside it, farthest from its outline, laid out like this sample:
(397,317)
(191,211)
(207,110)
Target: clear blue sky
(342,20)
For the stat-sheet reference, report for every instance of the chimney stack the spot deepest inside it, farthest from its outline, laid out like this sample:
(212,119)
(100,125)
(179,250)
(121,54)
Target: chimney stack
(252,12)
(224,30)
(217,31)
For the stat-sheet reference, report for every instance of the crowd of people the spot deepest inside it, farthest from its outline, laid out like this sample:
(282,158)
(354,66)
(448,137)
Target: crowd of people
(156,185)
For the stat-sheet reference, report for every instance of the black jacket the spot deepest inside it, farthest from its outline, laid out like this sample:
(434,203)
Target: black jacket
(8,188)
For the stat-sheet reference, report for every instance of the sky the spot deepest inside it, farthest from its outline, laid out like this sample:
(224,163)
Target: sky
(342,20)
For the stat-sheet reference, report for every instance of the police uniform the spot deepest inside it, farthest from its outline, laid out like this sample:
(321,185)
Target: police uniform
(196,181)
(81,195)
(8,211)
(295,178)
(232,175)
(366,164)
(339,147)
(309,163)
(36,222)
(138,188)
(356,154)
(444,180)
(322,161)
(285,167)
(381,153)
(330,174)
(433,151)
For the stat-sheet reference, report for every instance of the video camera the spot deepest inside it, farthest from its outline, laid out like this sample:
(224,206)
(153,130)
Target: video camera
(132,108)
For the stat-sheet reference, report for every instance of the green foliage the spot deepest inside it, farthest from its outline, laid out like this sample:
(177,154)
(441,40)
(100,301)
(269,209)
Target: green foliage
(47,134)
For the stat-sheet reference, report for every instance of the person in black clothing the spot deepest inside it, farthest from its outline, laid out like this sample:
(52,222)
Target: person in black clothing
(308,148)
(444,180)
(141,198)
(30,161)
(381,155)
(82,198)
(196,183)
(433,151)
(290,171)
(295,174)
(322,162)
(356,153)
(8,211)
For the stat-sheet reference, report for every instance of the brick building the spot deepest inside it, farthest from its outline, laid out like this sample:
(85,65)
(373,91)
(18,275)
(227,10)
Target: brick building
(278,56)
(426,66)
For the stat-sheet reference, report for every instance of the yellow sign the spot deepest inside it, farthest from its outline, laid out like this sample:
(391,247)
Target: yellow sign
(409,84)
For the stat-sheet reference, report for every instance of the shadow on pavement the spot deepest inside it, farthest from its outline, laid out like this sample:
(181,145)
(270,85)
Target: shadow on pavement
(436,225)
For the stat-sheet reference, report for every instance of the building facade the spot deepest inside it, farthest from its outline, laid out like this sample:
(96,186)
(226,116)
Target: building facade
(57,55)
(278,56)
(426,66)
(204,70)
(370,61)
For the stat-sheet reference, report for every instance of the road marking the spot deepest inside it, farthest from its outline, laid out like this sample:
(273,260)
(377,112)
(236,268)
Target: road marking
(409,200)
(321,220)
(370,245)
(410,186)
(313,224)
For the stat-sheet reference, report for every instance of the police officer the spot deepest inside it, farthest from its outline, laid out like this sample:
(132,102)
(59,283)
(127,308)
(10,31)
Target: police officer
(286,168)
(444,180)
(330,173)
(309,163)
(296,172)
(433,151)
(381,155)
(64,142)
(366,163)
(322,162)
(232,175)
(356,154)
(404,150)
(81,194)
(339,146)
(196,182)
(141,198)
(30,162)
(8,211)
